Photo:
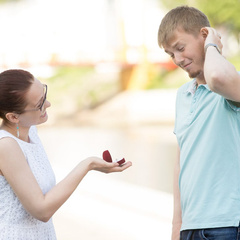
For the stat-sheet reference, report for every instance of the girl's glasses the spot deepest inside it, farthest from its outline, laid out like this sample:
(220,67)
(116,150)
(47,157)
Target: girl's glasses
(42,104)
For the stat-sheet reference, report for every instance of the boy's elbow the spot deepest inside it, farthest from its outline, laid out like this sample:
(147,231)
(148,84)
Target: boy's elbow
(215,81)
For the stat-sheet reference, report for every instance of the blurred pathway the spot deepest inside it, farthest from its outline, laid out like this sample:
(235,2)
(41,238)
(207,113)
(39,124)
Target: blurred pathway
(121,206)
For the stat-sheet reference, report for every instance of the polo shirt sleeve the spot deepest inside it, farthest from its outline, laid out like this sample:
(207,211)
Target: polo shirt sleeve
(234,105)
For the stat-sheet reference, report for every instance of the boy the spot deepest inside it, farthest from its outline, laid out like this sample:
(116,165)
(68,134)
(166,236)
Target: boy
(207,127)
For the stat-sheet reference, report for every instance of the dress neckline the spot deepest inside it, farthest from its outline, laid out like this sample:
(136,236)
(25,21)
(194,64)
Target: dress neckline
(31,142)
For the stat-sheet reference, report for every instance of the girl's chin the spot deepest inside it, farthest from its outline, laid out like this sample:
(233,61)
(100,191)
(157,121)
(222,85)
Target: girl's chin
(44,118)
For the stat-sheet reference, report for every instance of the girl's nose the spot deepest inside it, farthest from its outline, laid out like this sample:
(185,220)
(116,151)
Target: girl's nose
(47,104)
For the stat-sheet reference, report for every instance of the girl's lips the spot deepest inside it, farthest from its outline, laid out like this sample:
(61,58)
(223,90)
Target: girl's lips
(44,115)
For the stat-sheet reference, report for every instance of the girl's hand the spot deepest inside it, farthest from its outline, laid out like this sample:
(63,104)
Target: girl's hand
(101,165)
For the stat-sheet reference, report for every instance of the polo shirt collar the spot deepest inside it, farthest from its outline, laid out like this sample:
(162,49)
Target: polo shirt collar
(192,87)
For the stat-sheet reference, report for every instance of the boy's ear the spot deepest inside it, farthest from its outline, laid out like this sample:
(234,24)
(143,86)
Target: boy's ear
(204,32)
(12,117)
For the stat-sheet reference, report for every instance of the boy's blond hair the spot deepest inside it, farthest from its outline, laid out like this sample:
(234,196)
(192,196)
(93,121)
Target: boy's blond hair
(186,18)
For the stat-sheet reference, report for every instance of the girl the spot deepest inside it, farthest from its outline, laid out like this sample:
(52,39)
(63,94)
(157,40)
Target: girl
(28,194)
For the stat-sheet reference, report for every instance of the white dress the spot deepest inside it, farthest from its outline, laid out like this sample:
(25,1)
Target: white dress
(15,222)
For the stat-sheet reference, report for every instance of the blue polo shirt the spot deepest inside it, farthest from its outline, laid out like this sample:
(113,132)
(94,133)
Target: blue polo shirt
(207,128)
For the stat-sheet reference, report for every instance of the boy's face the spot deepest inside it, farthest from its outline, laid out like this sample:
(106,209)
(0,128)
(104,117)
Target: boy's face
(187,52)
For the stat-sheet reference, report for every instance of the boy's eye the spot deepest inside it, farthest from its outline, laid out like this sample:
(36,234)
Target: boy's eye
(171,55)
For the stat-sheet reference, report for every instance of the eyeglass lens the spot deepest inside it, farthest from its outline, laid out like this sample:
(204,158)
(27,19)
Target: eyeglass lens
(45,97)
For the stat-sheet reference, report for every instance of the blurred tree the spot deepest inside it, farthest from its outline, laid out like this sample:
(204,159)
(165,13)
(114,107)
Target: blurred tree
(220,13)
(224,12)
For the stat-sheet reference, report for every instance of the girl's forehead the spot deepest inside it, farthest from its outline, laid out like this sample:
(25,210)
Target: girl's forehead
(35,92)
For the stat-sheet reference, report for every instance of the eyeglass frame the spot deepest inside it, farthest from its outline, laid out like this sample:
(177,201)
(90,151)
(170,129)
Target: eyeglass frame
(42,104)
